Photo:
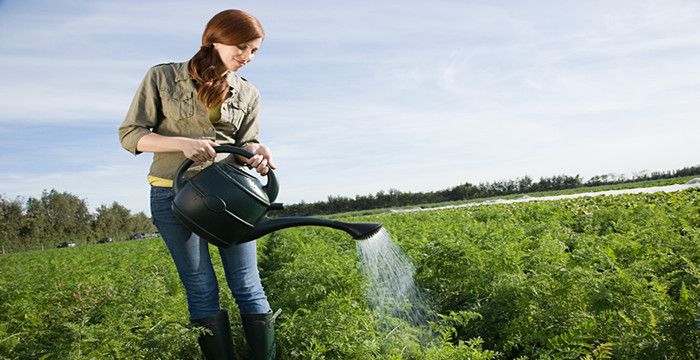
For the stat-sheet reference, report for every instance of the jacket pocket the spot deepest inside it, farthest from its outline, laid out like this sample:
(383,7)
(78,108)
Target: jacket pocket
(178,104)
(232,113)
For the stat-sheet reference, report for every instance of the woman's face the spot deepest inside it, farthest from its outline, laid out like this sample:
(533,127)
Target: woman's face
(235,56)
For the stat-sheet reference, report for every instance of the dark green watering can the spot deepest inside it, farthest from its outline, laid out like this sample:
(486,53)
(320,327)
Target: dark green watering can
(226,205)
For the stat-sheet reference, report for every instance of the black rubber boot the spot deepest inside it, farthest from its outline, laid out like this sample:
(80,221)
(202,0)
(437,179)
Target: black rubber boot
(260,333)
(218,345)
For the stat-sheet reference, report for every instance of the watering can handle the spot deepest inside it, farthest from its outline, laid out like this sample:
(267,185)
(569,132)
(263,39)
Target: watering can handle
(271,189)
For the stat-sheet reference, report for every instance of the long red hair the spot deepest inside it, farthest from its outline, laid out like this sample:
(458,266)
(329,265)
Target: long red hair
(229,27)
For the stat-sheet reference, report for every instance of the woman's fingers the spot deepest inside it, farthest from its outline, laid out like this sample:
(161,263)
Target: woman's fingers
(259,163)
(199,158)
(253,161)
(206,151)
(262,167)
(210,149)
(199,150)
(262,152)
(204,154)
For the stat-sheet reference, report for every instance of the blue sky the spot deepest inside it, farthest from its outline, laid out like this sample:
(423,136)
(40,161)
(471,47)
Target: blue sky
(364,96)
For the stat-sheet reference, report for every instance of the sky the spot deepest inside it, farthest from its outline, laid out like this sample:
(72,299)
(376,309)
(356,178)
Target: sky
(363,96)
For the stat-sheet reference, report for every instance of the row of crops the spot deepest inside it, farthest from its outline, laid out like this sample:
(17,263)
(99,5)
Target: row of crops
(606,277)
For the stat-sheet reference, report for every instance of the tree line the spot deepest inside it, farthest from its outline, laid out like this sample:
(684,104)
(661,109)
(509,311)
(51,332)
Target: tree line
(467,191)
(55,217)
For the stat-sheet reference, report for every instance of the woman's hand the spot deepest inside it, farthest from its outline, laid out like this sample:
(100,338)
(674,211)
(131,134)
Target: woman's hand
(262,158)
(198,150)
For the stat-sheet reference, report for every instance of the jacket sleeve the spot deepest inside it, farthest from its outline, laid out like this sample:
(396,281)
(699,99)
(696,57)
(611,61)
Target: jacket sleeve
(144,113)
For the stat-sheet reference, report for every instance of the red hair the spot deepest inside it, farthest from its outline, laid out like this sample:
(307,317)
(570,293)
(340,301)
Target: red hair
(229,27)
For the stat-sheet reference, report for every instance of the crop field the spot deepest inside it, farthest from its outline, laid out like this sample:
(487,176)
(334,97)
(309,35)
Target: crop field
(611,277)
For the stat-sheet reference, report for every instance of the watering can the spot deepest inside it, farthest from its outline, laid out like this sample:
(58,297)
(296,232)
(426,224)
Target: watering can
(226,205)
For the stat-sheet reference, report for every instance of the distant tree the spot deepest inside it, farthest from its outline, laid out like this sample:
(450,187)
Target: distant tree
(524,184)
(56,216)
(36,225)
(113,220)
(68,214)
(461,192)
(140,223)
(11,221)
(687,171)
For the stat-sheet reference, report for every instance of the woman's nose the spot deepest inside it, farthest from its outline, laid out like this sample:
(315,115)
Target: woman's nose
(248,55)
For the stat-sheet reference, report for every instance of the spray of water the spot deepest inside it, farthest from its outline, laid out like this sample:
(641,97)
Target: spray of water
(390,289)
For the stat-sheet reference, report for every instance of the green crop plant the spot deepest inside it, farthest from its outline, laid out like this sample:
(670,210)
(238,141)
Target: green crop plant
(565,279)
(611,277)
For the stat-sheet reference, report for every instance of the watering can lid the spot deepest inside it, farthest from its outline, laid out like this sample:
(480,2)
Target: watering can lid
(245,181)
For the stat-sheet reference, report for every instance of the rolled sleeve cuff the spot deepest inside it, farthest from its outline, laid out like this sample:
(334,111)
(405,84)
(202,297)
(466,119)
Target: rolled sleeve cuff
(130,139)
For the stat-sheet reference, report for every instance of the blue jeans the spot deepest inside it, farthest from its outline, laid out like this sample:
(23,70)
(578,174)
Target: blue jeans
(191,256)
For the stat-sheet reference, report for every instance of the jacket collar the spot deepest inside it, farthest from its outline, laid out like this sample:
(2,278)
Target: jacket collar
(232,79)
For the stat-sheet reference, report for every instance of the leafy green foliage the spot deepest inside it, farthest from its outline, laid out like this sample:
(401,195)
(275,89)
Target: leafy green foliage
(312,273)
(590,278)
(121,301)
(565,279)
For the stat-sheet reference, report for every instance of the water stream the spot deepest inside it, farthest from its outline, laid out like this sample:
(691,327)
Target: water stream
(390,289)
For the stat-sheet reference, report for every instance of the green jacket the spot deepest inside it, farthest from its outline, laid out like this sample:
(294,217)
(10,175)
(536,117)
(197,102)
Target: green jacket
(166,103)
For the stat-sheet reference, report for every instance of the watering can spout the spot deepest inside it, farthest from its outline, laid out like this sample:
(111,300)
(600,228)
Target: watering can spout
(358,231)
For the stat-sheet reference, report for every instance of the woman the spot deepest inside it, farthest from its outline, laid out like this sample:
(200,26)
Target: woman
(184,110)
